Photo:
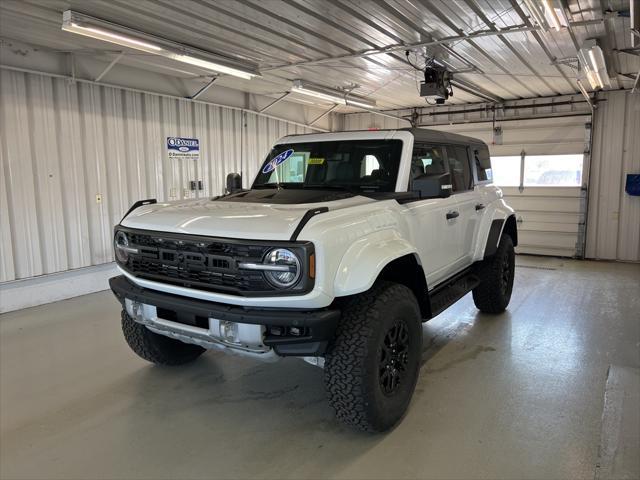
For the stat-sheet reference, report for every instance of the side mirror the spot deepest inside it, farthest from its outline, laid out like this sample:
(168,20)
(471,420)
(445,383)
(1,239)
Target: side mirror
(433,186)
(234,182)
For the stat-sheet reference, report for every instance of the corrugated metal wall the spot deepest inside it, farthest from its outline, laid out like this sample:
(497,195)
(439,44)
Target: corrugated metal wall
(613,227)
(63,143)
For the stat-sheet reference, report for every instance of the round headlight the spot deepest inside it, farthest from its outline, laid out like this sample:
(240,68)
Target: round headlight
(285,267)
(121,247)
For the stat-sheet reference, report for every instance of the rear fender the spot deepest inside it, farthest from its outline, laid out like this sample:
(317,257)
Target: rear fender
(502,221)
(366,258)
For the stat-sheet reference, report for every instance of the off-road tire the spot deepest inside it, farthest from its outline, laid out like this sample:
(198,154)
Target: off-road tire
(496,279)
(352,371)
(156,348)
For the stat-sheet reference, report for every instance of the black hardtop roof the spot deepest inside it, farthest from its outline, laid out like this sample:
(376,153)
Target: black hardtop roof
(429,135)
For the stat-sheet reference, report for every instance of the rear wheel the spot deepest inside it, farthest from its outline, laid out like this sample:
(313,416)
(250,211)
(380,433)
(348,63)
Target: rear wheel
(372,366)
(496,279)
(156,348)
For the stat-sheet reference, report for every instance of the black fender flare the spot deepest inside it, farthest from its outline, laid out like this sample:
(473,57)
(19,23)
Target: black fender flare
(498,226)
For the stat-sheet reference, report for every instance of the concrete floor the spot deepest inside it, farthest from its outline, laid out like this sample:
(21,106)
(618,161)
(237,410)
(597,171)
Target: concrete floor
(515,396)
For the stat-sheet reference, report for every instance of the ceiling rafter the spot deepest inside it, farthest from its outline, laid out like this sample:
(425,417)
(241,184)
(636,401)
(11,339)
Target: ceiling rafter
(491,25)
(467,87)
(464,85)
(469,39)
(475,91)
(518,9)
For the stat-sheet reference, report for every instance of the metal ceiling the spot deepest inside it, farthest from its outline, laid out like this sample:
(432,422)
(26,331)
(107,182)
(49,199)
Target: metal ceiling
(337,43)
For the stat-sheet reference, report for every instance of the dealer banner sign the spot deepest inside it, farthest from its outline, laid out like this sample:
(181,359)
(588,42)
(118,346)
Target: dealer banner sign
(183,148)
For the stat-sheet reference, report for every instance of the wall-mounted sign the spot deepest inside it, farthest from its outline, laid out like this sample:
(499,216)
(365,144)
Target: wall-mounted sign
(179,148)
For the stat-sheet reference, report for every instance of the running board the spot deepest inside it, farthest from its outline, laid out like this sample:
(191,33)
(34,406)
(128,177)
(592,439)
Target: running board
(445,295)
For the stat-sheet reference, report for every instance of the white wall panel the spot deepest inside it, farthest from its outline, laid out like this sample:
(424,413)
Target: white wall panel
(63,143)
(613,227)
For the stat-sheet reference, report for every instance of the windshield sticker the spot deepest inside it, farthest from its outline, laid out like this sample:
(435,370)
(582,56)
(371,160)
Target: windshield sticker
(315,161)
(275,161)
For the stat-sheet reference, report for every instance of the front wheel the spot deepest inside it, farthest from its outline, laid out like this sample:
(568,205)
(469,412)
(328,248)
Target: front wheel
(372,366)
(496,279)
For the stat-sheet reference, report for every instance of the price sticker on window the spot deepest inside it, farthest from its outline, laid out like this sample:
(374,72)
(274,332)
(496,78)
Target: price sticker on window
(316,161)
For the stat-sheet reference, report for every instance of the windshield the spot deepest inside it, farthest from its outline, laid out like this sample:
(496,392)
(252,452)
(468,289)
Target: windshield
(362,165)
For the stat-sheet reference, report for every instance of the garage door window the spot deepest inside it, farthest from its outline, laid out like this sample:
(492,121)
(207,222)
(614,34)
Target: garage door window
(553,170)
(506,171)
(539,170)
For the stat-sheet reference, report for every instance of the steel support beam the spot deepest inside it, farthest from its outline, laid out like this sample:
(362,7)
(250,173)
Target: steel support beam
(409,46)
(159,94)
(516,7)
(322,115)
(110,66)
(275,102)
(385,114)
(478,11)
(635,83)
(203,89)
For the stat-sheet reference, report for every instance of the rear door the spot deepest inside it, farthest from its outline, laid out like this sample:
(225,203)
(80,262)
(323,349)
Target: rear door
(469,204)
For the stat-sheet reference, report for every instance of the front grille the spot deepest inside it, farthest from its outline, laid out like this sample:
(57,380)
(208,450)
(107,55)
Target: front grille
(197,262)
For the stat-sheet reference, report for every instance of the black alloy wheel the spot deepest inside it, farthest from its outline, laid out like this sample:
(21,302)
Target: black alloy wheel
(394,357)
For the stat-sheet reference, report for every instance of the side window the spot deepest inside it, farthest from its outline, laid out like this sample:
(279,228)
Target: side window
(427,160)
(482,163)
(459,168)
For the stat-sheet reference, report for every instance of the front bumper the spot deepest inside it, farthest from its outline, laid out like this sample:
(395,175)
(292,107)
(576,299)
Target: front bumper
(188,319)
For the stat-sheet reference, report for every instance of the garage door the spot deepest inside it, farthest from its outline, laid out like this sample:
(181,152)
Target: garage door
(541,166)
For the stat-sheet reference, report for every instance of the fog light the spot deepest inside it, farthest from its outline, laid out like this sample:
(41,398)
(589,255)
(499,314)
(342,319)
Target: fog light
(295,331)
(229,331)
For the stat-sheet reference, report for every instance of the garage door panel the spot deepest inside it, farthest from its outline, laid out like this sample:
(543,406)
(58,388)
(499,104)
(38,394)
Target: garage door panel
(549,251)
(551,239)
(551,192)
(548,217)
(548,227)
(545,204)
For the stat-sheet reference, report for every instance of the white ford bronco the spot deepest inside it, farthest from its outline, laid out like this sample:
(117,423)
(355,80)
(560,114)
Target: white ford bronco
(344,244)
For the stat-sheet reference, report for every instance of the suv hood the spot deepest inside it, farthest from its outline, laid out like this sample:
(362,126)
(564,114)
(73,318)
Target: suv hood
(235,217)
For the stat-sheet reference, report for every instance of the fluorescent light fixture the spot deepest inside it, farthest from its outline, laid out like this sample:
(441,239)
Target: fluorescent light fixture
(555,14)
(548,13)
(593,64)
(536,12)
(111,37)
(331,95)
(109,32)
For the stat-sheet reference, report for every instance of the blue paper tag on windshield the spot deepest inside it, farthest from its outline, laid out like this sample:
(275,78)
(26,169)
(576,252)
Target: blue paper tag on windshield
(277,160)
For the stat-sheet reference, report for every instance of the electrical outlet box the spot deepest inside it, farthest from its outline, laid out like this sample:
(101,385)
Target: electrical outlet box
(172,193)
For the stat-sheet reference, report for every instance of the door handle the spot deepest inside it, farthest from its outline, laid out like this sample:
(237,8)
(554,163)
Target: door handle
(453,214)
(479,206)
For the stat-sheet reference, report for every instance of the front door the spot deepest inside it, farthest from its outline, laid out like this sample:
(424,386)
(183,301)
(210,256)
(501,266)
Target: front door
(435,223)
